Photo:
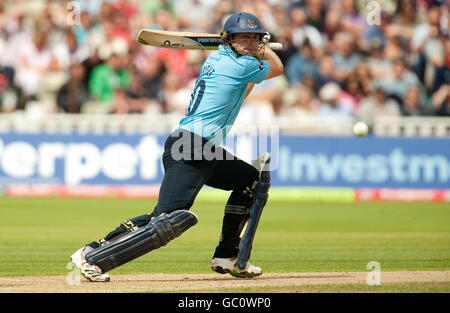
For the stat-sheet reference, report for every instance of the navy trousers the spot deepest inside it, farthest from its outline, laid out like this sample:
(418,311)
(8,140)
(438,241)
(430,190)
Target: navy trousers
(190,162)
(199,165)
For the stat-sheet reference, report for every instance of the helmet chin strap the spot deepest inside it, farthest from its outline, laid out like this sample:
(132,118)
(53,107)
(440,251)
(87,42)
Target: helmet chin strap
(226,41)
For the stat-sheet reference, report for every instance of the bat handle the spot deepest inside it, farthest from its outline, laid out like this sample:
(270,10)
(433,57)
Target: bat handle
(275,45)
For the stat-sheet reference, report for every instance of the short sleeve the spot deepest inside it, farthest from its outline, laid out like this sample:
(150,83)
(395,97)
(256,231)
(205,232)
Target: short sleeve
(255,71)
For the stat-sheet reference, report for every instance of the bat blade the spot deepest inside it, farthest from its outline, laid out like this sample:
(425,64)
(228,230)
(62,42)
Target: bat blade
(185,40)
(179,40)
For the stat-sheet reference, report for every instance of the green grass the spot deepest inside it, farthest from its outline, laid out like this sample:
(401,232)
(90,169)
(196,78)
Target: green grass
(37,236)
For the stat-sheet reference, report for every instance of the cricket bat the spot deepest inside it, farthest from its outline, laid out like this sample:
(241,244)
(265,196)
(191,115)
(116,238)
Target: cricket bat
(185,40)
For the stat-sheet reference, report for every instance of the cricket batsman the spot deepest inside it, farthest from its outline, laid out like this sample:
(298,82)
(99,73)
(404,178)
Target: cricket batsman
(192,158)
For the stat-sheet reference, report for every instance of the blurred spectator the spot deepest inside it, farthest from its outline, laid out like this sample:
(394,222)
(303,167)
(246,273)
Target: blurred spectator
(441,101)
(124,8)
(285,38)
(351,20)
(376,106)
(374,36)
(10,96)
(17,38)
(345,57)
(151,7)
(35,63)
(264,103)
(194,63)
(175,59)
(81,31)
(427,50)
(400,81)
(301,102)
(413,104)
(89,64)
(194,14)
(301,63)
(302,32)
(134,99)
(265,97)
(315,10)
(332,19)
(380,67)
(74,93)
(365,77)
(405,57)
(174,97)
(121,13)
(331,104)
(106,78)
(404,20)
(326,71)
(153,75)
(352,93)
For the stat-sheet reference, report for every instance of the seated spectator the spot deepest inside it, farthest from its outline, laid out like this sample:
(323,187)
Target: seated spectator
(35,63)
(10,95)
(404,20)
(351,20)
(332,20)
(399,82)
(377,106)
(73,94)
(413,104)
(174,97)
(380,67)
(364,76)
(301,102)
(134,99)
(136,95)
(424,40)
(345,58)
(119,102)
(106,78)
(315,10)
(154,6)
(264,102)
(194,14)
(153,74)
(331,104)
(285,38)
(325,42)
(326,71)
(301,63)
(310,81)
(439,65)
(352,93)
(374,35)
(441,101)
(301,31)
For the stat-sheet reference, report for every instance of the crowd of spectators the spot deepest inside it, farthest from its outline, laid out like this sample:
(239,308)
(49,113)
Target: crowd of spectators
(356,58)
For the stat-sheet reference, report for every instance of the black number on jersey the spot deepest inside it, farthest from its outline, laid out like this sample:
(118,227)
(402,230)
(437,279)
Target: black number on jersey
(193,105)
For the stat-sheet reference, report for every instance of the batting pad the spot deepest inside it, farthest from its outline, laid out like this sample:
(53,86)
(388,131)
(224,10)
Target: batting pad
(157,233)
(261,194)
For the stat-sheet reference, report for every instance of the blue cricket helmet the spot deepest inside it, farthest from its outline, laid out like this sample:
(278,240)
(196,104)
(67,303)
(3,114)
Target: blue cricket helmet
(242,23)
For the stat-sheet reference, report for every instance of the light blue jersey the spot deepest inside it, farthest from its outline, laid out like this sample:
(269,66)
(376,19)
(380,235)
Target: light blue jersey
(219,92)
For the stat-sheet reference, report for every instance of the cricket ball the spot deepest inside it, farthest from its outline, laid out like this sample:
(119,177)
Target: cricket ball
(360,129)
